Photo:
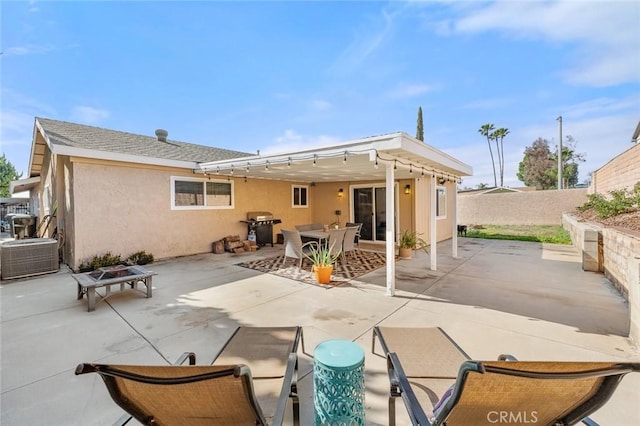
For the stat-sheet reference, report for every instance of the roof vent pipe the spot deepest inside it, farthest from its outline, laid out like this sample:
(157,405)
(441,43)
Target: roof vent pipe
(162,135)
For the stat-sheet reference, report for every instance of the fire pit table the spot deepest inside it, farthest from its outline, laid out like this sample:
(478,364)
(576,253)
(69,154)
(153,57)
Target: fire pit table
(111,275)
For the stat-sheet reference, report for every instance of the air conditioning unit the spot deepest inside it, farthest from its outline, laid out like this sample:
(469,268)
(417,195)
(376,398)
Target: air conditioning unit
(23,258)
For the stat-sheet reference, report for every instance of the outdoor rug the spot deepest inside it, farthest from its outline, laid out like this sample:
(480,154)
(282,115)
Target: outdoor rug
(358,263)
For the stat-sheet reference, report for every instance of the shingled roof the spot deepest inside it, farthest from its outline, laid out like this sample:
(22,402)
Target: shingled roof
(74,135)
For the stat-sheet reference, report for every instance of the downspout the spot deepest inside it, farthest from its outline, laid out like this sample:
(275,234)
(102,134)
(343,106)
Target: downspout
(390,231)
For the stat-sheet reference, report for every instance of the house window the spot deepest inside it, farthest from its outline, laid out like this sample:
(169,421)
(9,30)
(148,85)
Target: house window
(299,196)
(441,202)
(188,193)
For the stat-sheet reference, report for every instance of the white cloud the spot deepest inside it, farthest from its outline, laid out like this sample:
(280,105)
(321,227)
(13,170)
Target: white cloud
(410,91)
(27,49)
(606,35)
(293,141)
(367,40)
(320,105)
(89,115)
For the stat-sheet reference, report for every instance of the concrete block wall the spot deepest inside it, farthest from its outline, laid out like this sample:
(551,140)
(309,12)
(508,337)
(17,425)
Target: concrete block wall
(519,208)
(618,256)
(622,172)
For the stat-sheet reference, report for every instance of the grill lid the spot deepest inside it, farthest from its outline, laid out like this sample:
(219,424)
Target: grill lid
(259,215)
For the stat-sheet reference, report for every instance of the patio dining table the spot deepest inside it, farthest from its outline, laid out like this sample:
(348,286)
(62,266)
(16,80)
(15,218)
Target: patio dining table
(316,234)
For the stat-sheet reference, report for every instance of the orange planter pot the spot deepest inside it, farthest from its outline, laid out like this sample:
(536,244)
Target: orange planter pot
(323,274)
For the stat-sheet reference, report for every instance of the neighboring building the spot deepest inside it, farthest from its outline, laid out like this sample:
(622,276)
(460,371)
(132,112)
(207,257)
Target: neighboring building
(114,191)
(495,190)
(622,172)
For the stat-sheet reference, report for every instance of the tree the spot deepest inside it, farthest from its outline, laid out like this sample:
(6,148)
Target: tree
(536,169)
(485,130)
(7,173)
(420,130)
(498,136)
(539,167)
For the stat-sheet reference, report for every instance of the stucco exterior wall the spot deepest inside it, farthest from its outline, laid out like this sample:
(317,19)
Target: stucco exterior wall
(124,208)
(622,172)
(519,208)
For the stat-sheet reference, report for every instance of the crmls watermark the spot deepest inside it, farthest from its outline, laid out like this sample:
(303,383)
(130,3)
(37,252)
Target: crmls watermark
(511,417)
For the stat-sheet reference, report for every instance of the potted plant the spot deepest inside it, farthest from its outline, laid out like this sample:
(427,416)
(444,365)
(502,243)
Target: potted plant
(323,258)
(409,241)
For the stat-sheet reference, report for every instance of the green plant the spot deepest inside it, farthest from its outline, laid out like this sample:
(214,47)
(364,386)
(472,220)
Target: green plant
(620,202)
(411,240)
(140,258)
(321,254)
(96,261)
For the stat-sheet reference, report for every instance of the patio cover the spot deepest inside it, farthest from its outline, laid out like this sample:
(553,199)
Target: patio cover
(386,157)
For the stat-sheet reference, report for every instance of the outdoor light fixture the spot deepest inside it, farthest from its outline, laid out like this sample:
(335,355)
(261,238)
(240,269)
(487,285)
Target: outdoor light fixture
(340,192)
(314,160)
(407,189)
(441,181)
(344,160)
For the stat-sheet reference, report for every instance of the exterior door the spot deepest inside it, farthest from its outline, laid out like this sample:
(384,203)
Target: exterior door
(369,208)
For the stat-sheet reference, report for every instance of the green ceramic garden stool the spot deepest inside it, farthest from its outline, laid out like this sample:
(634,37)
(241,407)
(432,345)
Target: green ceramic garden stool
(338,383)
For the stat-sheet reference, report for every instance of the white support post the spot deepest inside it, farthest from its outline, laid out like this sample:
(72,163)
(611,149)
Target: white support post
(432,224)
(454,220)
(390,231)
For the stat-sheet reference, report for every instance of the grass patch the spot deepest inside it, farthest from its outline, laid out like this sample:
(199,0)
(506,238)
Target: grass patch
(553,234)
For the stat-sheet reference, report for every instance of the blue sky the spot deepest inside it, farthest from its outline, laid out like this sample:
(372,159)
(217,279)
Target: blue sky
(274,76)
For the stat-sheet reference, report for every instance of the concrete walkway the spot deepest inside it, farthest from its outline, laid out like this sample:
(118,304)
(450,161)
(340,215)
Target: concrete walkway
(526,299)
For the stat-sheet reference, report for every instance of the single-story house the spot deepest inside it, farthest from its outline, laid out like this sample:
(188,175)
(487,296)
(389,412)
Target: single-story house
(108,190)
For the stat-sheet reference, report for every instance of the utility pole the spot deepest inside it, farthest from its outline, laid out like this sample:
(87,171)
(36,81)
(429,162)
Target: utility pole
(560,153)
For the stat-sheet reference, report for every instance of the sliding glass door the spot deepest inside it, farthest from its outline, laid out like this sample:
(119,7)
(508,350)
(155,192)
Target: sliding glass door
(370,209)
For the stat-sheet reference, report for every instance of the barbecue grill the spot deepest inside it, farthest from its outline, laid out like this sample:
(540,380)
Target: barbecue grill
(262,224)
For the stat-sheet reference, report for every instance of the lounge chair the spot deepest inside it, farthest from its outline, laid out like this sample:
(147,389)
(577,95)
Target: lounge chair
(249,382)
(490,392)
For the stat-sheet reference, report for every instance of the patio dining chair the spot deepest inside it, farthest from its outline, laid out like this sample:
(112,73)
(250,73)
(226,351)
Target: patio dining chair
(335,241)
(249,382)
(293,246)
(535,392)
(358,232)
(349,242)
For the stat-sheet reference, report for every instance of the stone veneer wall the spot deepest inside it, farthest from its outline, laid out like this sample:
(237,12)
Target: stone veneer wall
(519,208)
(622,172)
(616,252)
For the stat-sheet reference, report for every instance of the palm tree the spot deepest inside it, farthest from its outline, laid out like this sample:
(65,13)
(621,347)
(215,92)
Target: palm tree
(499,135)
(486,130)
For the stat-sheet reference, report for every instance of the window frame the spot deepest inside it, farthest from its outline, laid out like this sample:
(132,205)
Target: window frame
(204,181)
(293,197)
(444,203)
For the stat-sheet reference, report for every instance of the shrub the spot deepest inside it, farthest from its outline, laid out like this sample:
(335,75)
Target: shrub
(96,261)
(140,258)
(620,202)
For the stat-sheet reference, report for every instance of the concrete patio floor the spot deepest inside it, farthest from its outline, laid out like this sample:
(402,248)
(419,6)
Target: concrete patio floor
(527,299)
